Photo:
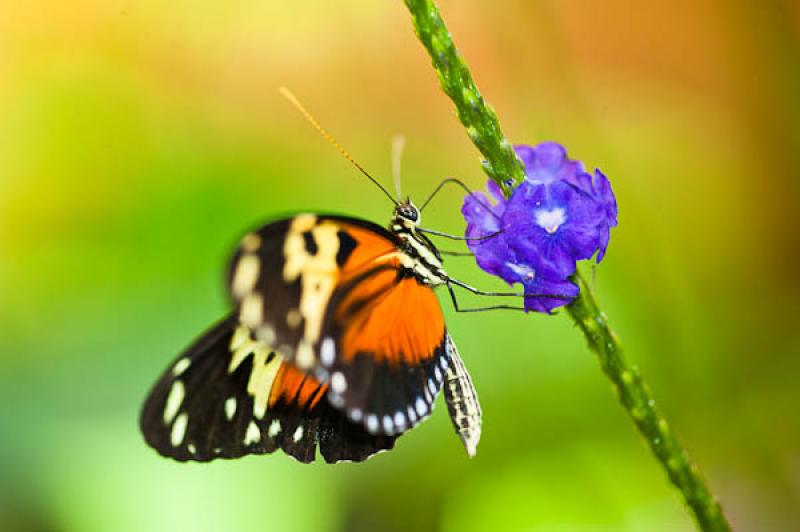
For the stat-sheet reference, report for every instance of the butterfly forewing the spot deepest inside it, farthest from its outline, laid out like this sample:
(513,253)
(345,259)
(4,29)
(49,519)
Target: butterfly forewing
(338,297)
(383,349)
(282,277)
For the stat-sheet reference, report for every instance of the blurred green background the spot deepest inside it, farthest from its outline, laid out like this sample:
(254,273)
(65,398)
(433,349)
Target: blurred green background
(139,140)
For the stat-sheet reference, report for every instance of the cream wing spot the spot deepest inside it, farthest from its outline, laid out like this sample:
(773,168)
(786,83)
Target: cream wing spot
(293,318)
(252,310)
(181,366)
(305,355)
(298,434)
(274,428)
(318,273)
(266,335)
(251,242)
(174,400)
(245,275)
(240,336)
(265,367)
(253,435)
(230,407)
(179,429)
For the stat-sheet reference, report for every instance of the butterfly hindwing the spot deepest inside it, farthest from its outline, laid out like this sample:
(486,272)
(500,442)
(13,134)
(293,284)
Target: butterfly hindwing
(228,395)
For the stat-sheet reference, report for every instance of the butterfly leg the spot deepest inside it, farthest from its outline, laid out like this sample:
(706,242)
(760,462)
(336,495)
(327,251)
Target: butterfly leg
(456,253)
(478,309)
(474,290)
(446,181)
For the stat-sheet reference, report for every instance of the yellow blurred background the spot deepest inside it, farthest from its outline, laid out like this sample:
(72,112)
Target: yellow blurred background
(139,140)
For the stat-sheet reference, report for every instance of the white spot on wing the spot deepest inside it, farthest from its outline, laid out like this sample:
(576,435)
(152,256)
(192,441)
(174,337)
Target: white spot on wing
(388,424)
(174,400)
(327,352)
(338,383)
(422,408)
(298,434)
(274,428)
(179,430)
(400,421)
(253,435)
(336,400)
(230,407)
(412,415)
(192,448)
(181,366)
(372,423)
(356,414)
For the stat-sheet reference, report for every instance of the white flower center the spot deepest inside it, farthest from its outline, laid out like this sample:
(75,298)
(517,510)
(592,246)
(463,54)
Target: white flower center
(550,221)
(525,272)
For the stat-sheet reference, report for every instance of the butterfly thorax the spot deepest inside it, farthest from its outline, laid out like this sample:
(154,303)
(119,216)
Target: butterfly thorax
(420,256)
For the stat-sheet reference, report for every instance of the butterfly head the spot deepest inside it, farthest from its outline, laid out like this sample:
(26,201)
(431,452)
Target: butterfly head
(406,214)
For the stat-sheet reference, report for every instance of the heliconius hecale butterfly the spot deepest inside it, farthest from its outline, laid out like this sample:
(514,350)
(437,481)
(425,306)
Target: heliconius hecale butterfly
(336,340)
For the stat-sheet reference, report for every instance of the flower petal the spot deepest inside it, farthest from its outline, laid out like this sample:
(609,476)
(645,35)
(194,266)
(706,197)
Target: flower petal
(549,287)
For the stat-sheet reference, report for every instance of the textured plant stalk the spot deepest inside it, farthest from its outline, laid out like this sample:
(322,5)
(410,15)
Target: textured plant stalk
(506,170)
(636,399)
(483,128)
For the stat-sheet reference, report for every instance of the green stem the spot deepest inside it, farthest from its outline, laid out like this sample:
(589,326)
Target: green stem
(506,170)
(640,405)
(483,128)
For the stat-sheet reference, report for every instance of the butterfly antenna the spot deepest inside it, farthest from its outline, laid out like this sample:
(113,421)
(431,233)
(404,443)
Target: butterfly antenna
(291,97)
(398,144)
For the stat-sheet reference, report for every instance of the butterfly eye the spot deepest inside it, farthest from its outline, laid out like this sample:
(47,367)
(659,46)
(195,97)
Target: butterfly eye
(409,212)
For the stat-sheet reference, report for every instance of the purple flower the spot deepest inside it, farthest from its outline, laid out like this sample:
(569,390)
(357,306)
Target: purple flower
(599,188)
(553,226)
(560,214)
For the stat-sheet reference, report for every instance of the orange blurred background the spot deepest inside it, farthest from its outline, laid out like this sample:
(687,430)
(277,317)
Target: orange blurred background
(139,140)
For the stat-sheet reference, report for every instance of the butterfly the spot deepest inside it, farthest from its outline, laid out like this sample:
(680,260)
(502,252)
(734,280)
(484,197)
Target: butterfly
(337,341)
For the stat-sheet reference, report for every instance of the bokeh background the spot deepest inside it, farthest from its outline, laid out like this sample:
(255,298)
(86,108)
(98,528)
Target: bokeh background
(140,139)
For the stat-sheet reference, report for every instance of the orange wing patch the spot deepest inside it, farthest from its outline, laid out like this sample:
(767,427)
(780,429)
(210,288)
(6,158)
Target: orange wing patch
(362,248)
(382,348)
(400,321)
(292,386)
